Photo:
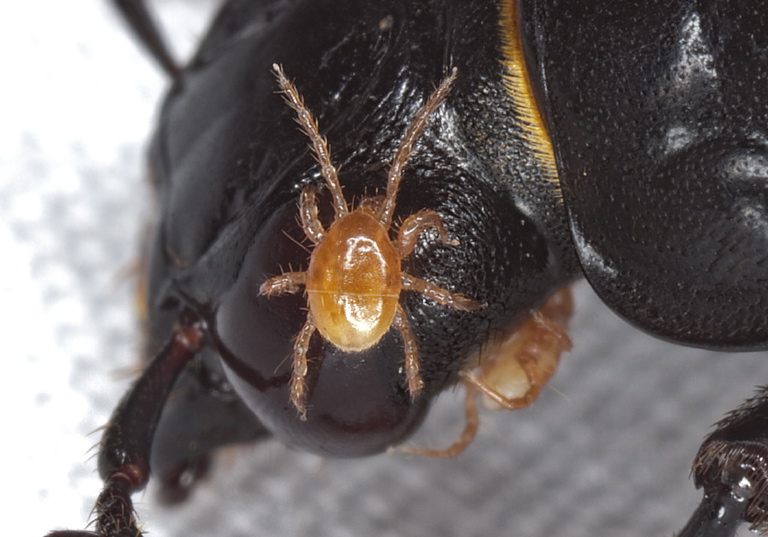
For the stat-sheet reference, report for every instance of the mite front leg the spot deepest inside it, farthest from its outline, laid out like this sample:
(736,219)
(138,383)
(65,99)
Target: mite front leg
(412,376)
(438,294)
(310,222)
(286,283)
(320,147)
(301,367)
(412,228)
(406,146)
(127,442)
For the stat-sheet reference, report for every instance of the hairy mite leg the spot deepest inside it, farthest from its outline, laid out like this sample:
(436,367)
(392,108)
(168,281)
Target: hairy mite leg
(415,225)
(513,371)
(438,294)
(412,376)
(471,425)
(300,367)
(319,144)
(372,204)
(310,222)
(406,146)
(286,283)
(127,441)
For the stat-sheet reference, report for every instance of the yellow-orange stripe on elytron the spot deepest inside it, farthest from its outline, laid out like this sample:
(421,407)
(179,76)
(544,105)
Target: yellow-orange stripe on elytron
(518,85)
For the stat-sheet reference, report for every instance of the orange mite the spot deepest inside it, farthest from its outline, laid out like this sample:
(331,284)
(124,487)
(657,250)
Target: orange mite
(354,278)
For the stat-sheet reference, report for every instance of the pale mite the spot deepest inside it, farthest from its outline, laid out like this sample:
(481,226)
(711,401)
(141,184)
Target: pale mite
(354,277)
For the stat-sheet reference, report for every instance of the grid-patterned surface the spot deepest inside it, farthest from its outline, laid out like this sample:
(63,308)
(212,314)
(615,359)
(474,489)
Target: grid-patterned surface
(604,452)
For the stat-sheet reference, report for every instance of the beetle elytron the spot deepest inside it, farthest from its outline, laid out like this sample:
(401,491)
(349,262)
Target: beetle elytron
(622,141)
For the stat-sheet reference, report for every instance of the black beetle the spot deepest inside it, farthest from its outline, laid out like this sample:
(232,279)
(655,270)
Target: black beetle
(600,265)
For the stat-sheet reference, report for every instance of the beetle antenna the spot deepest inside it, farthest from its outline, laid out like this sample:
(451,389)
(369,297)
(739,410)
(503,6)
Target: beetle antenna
(406,145)
(320,147)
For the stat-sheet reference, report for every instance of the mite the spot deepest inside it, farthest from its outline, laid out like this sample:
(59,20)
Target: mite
(622,142)
(354,278)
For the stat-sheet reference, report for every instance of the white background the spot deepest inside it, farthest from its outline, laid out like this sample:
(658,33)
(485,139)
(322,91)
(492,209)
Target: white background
(605,451)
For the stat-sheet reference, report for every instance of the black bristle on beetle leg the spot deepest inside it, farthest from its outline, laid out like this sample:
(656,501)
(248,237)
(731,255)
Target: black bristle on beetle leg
(731,467)
(127,441)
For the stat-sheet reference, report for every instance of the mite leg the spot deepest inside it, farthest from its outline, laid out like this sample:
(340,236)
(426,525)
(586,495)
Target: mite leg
(732,467)
(438,294)
(320,147)
(414,226)
(471,424)
(125,447)
(310,222)
(286,283)
(513,369)
(142,24)
(406,146)
(301,367)
(412,376)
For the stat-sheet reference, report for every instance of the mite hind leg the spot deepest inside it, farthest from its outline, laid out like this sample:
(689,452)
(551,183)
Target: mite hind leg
(467,435)
(412,375)
(300,367)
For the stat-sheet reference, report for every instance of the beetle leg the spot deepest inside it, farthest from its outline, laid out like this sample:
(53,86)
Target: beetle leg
(438,294)
(285,283)
(513,369)
(320,147)
(719,515)
(731,467)
(468,434)
(142,24)
(310,222)
(406,146)
(412,376)
(415,225)
(301,367)
(127,441)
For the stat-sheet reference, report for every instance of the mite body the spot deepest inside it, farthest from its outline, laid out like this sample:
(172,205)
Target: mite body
(623,142)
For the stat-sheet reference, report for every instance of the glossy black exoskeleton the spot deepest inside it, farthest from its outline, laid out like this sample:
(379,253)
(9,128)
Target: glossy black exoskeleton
(624,141)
